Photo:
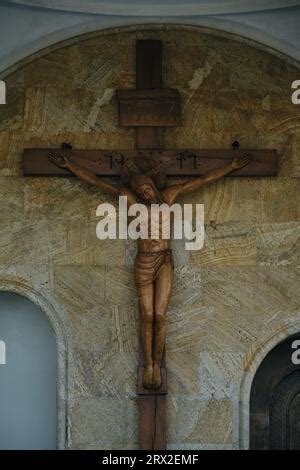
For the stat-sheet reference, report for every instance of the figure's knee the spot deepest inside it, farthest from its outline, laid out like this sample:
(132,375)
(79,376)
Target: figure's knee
(160,317)
(147,315)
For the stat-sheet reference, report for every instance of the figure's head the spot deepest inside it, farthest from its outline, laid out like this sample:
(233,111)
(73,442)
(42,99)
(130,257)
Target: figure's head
(145,189)
(146,178)
(147,193)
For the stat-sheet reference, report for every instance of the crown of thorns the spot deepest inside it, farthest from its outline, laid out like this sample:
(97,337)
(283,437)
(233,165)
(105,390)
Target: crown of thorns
(147,171)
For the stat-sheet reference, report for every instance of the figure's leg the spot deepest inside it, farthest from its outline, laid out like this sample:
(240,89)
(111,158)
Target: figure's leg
(163,290)
(146,310)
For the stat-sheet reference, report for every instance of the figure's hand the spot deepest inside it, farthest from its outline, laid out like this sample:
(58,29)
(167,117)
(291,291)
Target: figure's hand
(59,160)
(241,161)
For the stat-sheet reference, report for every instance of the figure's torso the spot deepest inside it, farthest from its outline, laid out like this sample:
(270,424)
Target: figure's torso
(154,227)
(150,244)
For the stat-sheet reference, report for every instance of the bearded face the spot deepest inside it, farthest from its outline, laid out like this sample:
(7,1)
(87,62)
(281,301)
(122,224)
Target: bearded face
(148,194)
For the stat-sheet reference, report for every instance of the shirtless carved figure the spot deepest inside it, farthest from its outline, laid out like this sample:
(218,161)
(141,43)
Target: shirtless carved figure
(153,264)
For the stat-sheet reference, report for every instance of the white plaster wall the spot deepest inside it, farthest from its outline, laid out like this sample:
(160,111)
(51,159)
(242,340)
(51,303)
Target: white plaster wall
(28,26)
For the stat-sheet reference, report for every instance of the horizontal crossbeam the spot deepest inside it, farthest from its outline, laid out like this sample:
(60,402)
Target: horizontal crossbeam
(191,162)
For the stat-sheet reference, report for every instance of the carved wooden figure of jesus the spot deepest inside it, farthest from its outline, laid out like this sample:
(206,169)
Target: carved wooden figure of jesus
(153,264)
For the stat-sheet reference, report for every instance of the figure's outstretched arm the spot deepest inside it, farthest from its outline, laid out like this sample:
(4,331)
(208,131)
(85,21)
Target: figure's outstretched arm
(84,174)
(192,185)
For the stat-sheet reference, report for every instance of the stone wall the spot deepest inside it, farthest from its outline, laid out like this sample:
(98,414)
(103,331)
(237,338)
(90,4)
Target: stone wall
(228,298)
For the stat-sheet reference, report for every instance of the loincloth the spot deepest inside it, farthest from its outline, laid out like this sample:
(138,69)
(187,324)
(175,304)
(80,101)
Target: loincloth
(148,266)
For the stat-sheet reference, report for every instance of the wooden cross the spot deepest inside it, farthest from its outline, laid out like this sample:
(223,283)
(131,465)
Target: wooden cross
(150,108)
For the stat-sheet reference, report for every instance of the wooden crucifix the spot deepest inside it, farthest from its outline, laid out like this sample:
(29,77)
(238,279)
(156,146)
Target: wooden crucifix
(150,108)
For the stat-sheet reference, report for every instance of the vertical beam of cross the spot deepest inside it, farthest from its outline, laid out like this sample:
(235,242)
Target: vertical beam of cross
(149,76)
(152,406)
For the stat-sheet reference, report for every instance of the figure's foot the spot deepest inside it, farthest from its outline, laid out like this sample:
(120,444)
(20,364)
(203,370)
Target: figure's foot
(148,377)
(156,376)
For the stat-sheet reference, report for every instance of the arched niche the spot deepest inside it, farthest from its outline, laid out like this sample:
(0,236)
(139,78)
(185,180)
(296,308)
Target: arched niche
(275,399)
(34,379)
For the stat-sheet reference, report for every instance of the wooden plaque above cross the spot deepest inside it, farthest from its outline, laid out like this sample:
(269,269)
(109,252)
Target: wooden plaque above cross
(150,108)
